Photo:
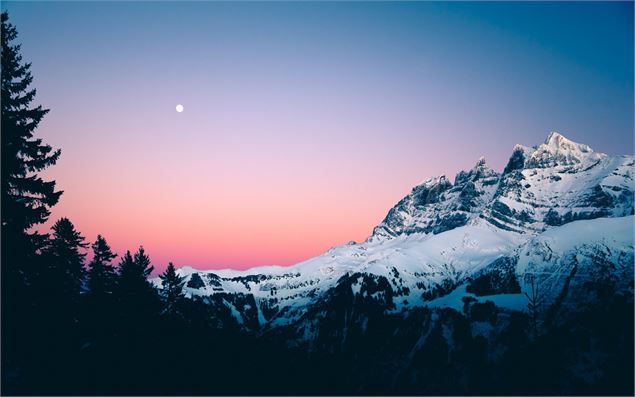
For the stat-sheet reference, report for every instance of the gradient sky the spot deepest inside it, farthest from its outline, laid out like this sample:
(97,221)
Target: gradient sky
(304,122)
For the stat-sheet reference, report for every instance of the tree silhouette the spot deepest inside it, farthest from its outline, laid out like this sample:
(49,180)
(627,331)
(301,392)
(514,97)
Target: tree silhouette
(102,279)
(135,292)
(134,272)
(137,308)
(26,198)
(126,267)
(142,262)
(56,291)
(172,291)
(101,273)
(62,279)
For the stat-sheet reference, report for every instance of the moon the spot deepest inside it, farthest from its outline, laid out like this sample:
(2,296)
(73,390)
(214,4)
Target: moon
(179,108)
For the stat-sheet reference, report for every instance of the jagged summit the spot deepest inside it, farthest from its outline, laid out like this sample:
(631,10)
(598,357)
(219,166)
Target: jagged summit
(435,181)
(558,176)
(479,171)
(557,140)
(481,163)
(557,182)
(556,151)
(560,151)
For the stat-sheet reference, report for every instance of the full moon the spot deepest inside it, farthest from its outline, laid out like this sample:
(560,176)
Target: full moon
(179,108)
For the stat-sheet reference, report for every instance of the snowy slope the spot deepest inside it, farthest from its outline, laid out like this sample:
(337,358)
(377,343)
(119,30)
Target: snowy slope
(578,252)
(444,235)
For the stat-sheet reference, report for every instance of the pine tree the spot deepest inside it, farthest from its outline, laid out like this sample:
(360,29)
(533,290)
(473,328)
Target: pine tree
(134,288)
(100,317)
(58,286)
(25,202)
(142,261)
(64,275)
(137,308)
(101,272)
(126,266)
(134,271)
(172,290)
(26,198)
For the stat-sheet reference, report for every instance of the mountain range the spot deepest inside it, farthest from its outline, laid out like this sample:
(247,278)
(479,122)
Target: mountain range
(466,286)
(552,203)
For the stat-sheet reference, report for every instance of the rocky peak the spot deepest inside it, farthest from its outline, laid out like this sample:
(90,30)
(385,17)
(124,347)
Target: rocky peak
(437,205)
(557,182)
(558,151)
(559,175)
(558,141)
(480,164)
(481,172)
(430,190)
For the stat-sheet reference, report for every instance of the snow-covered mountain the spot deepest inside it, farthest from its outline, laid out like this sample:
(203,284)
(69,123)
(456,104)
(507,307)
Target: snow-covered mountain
(556,211)
(554,183)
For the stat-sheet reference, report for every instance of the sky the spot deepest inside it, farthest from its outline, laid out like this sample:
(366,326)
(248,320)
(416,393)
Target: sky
(304,122)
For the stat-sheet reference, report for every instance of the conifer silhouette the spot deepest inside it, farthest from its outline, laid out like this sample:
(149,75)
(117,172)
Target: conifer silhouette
(101,273)
(63,276)
(134,272)
(26,197)
(134,290)
(26,202)
(172,290)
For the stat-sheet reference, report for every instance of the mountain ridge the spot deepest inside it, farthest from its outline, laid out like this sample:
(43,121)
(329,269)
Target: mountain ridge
(439,237)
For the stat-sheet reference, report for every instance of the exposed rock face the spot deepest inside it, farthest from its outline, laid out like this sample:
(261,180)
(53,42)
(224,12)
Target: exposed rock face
(437,205)
(551,184)
(195,281)
(558,182)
